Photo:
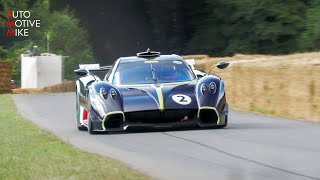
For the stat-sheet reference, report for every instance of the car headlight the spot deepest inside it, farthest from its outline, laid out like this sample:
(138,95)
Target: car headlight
(212,87)
(113,93)
(203,89)
(104,93)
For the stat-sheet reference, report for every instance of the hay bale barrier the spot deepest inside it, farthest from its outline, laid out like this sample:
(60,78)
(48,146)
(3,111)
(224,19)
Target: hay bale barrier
(67,86)
(5,76)
(287,85)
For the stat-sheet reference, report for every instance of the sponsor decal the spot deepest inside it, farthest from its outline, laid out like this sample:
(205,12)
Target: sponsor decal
(181,99)
(150,61)
(177,62)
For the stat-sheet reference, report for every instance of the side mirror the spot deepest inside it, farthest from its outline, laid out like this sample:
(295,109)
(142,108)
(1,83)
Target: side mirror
(222,65)
(81,72)
(199,73)
(199,76)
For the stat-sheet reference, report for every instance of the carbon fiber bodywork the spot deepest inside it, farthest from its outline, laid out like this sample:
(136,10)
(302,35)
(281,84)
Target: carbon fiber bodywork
(113,107)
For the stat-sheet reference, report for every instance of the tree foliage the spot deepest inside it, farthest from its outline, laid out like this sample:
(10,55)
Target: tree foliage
(215,27)
(310,39)
(66,36)
(221,27)
(250,26)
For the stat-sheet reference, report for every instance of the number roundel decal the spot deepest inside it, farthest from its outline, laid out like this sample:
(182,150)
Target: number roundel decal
(181,99)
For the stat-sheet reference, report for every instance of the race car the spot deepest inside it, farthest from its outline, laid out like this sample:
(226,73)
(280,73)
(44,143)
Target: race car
(149,90)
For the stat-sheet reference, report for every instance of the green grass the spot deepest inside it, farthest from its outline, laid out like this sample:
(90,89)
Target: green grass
(27,152)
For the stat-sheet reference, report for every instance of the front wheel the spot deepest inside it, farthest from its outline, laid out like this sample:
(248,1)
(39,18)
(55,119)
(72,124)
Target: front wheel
(79,126)
(82,128)
(90,127)
(90,123)
(226,122)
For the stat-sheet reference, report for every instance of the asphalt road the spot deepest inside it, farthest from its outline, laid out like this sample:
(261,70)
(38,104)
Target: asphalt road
(251,147)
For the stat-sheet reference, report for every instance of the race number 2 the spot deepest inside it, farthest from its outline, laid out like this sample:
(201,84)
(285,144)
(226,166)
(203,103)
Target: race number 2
(181,99)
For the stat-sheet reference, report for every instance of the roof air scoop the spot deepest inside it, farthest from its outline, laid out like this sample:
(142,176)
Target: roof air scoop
(148,54)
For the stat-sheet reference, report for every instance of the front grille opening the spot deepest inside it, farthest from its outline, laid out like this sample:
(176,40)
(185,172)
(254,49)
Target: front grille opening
(157,117)
(208,116)
(143,117)
(113,121)
(180,114)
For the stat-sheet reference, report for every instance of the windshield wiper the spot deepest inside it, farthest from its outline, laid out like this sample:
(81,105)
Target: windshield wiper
(154,77)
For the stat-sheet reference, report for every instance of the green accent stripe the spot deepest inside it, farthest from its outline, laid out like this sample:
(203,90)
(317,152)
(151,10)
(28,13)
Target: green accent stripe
(160,96)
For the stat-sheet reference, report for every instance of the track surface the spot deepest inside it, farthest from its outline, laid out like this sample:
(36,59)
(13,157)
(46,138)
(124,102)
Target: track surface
(251,147)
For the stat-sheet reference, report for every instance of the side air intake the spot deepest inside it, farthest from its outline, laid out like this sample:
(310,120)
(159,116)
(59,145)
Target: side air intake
(208,116)
(113,121)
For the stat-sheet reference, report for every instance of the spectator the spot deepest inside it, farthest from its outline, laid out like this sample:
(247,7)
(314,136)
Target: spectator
(13,85)
(36,51)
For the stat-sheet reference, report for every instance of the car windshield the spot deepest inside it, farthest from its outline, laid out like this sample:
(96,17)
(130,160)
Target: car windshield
(151,71)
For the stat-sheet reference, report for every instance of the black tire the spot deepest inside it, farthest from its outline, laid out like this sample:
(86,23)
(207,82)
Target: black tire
(90,124)
(82,128)
(79,127)
(225,125)
(90,127)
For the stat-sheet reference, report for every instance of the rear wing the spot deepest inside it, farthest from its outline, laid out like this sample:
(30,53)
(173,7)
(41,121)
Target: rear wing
(94,67)
(198,73)
(191,63)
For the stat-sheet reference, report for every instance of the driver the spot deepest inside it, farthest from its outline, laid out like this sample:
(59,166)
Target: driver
(170,73)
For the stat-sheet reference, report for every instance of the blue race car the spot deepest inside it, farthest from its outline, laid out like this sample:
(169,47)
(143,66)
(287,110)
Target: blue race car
(149,90)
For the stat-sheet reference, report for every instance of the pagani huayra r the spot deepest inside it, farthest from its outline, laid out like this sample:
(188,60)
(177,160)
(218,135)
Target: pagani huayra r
(149,90)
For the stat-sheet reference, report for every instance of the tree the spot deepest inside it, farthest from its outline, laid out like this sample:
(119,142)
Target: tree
(68,38)
(310,39)
(250,26)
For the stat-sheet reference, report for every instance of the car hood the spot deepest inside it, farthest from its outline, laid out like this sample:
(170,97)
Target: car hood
(167,96)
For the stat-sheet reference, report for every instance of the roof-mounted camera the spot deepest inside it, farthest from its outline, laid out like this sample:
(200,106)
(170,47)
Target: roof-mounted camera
(148,54)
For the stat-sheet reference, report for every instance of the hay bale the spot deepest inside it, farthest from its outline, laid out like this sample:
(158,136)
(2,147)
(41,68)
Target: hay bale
(287,85)
(5,78)
(196,57)
(68,86)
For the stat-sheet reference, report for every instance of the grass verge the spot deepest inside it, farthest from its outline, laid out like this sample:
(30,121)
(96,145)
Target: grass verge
(27,152)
